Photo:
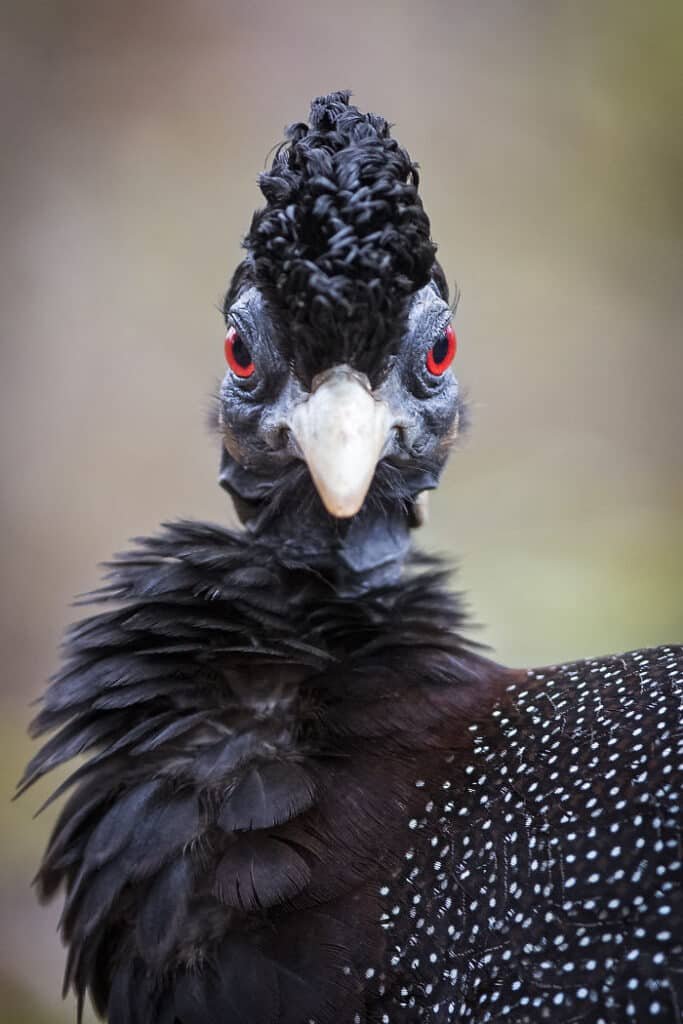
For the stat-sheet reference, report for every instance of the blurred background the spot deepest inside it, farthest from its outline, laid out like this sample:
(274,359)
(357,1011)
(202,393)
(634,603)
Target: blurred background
(549,136)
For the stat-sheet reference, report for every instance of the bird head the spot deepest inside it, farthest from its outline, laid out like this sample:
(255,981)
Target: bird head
(339,343)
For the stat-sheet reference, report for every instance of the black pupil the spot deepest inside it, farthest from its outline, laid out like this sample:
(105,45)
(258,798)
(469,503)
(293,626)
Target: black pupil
(440,350)
(241,353)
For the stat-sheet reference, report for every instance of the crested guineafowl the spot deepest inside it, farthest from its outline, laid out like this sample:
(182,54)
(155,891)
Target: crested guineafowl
(303,796)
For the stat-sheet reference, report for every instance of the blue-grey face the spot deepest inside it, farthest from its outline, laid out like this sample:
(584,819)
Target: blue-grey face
(340,424)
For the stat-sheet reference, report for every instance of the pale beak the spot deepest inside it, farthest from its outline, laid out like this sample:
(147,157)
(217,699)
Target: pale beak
(342,430)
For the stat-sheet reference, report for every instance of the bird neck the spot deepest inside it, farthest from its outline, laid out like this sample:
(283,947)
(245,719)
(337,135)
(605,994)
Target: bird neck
(355,555)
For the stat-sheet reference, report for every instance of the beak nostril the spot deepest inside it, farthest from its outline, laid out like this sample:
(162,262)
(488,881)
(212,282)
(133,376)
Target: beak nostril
(284,436)
(278,437)
(407,436)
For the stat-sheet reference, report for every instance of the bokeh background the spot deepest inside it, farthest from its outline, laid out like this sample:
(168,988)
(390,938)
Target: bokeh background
(549,136)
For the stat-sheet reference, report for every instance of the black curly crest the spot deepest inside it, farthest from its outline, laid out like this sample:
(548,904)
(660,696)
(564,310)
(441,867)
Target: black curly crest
(343,241)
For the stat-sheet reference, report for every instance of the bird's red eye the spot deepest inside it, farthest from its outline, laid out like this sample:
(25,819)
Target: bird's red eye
(442,353)
(237,355)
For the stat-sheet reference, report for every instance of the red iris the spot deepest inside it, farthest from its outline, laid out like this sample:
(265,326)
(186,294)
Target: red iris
(237,355)
(442,353)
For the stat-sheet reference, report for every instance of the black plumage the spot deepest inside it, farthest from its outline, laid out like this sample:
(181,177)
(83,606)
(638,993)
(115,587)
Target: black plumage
(343,243)
(303,795)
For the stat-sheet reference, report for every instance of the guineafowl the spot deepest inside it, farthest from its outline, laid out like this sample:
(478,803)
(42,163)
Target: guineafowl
(303,796)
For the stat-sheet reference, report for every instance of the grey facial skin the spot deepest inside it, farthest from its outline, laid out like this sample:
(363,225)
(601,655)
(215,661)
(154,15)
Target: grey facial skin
(256,412)
(355,455)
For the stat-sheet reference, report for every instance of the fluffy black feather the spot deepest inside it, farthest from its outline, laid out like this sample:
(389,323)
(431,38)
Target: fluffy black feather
(231,817)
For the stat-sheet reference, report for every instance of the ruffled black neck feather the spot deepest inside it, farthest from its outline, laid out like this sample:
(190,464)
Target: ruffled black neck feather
(235,714)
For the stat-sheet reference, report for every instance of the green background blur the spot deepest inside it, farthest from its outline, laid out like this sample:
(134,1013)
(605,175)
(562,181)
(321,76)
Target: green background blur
(551,144)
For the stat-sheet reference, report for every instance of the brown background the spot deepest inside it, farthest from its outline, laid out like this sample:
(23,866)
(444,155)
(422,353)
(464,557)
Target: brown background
(550,140)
